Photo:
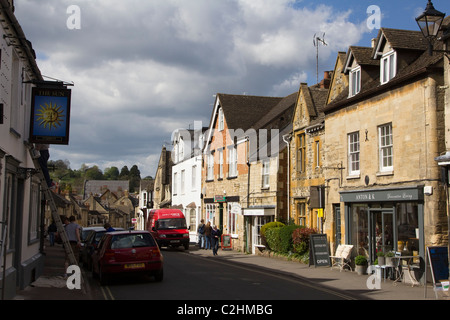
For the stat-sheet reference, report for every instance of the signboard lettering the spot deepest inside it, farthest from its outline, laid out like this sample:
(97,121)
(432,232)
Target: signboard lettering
(319,255)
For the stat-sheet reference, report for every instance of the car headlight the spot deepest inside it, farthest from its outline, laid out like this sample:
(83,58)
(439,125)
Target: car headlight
(186,235)
(162,235)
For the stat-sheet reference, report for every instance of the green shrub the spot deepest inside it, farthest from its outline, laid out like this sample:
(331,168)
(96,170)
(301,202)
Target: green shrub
(286,242)
(273,239)
(266,227)
(300,239)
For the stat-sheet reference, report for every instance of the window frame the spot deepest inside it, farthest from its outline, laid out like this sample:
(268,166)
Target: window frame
(385,149)
(353,153)
(388,66)
(355,86)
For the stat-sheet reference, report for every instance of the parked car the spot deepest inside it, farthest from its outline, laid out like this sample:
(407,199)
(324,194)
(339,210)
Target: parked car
(89,244)
(125,252)
(87,230)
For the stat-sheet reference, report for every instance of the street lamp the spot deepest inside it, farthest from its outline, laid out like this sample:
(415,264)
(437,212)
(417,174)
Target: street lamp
(430,22)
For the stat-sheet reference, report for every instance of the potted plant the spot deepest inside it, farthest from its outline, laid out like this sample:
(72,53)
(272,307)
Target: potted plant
(380,255)
(389,255)
(361,264)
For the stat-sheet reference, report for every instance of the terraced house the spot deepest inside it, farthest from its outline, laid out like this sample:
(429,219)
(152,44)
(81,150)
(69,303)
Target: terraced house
(231,148)
(383,132)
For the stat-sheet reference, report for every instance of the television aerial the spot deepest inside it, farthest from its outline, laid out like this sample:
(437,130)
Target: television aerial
(317,40)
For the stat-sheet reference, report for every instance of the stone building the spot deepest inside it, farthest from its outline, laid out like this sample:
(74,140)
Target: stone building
(307,182)
(383,132)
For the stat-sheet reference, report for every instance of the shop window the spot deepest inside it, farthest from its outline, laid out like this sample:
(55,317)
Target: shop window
(232,218)
(407,227)
(360,229)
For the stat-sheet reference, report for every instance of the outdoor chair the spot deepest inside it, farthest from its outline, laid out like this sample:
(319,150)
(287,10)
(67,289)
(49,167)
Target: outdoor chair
(341,257)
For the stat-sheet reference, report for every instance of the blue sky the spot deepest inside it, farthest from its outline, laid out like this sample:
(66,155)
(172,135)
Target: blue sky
(143,69)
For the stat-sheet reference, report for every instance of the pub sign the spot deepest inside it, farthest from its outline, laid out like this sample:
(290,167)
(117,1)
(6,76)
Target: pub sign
(50,115)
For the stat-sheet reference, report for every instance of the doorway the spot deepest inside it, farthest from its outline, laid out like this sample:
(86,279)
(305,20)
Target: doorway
(381,231)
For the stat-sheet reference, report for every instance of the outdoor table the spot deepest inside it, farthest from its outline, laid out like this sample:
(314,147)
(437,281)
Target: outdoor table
(409,268)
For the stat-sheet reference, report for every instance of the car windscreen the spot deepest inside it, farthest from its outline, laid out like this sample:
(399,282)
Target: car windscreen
(166,224)
(132,240)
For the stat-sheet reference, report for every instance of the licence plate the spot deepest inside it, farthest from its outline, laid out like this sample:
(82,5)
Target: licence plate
(174,241)
(134,266)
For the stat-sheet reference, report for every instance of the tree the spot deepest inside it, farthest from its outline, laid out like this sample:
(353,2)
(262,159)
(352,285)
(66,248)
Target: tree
(94,173)
(111,173)
(134,178)
(124,173)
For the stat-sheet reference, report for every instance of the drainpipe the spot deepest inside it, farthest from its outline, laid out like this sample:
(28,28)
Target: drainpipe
(287,140)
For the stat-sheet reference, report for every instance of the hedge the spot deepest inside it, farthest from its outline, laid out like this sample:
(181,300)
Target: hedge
(279,239)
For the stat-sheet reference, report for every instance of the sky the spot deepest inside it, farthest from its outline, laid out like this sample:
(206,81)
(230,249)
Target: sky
(143,68)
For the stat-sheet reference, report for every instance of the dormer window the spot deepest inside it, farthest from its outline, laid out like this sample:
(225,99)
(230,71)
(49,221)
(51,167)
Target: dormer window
(355,81)
(388,66)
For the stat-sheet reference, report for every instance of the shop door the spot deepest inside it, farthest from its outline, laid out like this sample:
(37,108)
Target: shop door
(381,232)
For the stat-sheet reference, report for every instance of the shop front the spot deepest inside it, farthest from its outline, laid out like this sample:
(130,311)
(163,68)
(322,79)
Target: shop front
(385,220)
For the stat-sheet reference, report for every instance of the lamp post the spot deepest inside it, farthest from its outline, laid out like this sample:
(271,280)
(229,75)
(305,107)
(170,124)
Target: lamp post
(430,22)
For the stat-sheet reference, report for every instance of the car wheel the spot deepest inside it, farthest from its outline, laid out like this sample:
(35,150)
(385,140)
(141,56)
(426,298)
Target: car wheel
(186,246)
(159,276)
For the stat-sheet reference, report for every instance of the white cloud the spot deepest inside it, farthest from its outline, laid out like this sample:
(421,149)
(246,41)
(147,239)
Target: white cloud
(144,68)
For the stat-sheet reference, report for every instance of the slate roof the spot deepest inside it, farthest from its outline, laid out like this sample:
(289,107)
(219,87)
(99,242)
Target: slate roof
(242,111)
(412,40)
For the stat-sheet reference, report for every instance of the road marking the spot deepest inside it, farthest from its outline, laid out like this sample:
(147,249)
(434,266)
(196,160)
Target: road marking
(107,294)
(296,279)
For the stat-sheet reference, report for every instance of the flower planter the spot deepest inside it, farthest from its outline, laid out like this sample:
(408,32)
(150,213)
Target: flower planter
(361,270)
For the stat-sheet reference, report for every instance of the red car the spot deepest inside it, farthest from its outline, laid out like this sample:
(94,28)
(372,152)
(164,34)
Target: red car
(123,252)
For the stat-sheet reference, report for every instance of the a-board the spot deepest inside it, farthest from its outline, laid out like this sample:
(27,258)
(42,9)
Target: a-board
(319,256)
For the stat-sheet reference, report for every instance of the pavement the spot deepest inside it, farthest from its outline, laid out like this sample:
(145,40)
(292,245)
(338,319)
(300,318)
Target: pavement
(346,284)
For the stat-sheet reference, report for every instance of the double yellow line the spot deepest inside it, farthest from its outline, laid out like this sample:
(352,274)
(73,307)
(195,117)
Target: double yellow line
(107,294)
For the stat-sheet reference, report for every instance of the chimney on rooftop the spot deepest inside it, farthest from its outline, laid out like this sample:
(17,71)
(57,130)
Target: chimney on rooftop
(325,83)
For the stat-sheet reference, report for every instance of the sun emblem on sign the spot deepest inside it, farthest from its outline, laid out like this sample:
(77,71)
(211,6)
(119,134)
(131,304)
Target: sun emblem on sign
(50,116)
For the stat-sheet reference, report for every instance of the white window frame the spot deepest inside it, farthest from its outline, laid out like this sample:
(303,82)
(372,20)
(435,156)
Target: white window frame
(232,161)
(355,81)
(388,66)
(183,177)
(221,120)
(210,167)
(386,148)
(194,178)
(175,183)
(266,173)
(354,154)
(221,164)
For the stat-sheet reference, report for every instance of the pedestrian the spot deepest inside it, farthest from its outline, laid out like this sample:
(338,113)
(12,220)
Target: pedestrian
(108,227)
(201,234)
(51,233)
(215,236)
(73,231)
(208,230)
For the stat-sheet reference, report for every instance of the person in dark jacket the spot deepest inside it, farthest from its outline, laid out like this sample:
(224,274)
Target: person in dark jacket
(215,237)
